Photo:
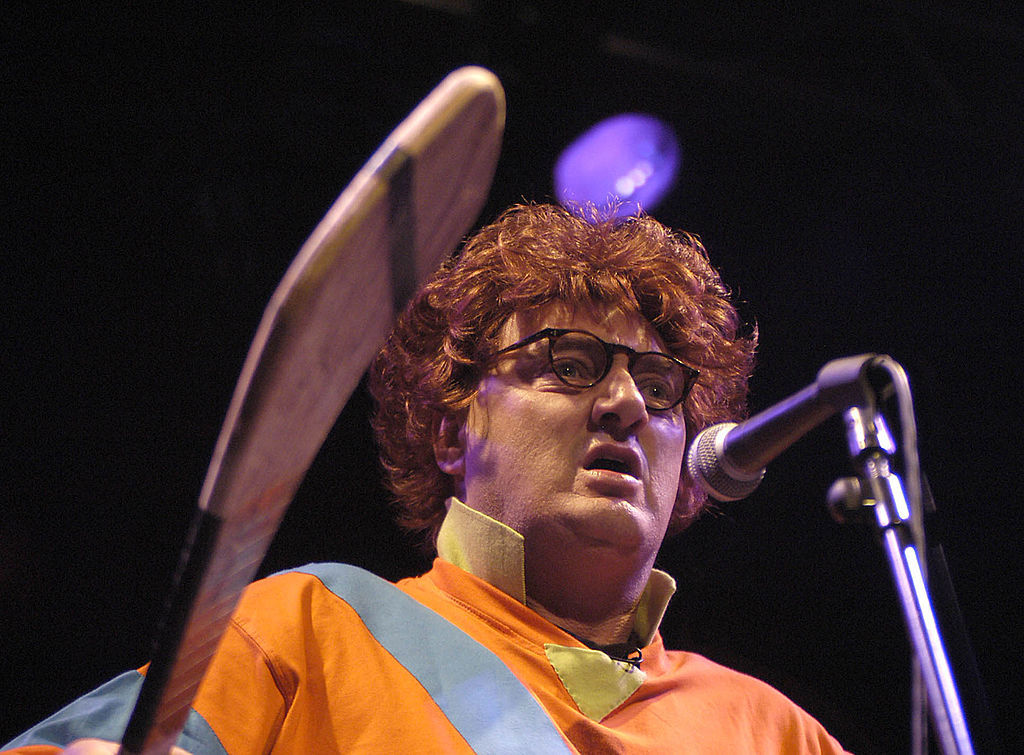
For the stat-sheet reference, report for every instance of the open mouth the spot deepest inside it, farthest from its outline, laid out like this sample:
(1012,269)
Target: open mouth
(613,465)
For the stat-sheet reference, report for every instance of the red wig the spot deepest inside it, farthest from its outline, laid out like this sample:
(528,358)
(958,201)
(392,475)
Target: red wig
(531,256)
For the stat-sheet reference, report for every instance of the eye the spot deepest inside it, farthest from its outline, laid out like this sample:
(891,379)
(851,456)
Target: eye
(659,390)
(578,359)
(654,387)
(572,369)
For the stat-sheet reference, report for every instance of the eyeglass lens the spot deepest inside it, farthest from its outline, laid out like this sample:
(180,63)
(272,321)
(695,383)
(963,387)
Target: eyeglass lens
(582,360)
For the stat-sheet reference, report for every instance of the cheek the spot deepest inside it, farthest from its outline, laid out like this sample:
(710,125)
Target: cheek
(518,450)
(666,459)
(508,440)
(665,479)
(527,439)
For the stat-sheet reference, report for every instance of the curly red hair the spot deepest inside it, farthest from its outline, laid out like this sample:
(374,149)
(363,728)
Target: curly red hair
(535,254)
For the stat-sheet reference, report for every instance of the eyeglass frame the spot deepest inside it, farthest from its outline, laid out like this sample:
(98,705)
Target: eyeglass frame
(610,350)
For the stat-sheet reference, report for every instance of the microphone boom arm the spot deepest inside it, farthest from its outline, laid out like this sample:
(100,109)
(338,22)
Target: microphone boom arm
(728,460)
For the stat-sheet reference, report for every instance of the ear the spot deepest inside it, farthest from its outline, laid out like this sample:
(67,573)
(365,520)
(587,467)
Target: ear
(450,447)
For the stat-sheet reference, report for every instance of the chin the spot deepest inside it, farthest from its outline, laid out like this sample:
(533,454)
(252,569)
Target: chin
(610,523)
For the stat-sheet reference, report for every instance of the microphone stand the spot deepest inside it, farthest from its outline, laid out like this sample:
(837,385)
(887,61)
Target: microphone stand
(880,491)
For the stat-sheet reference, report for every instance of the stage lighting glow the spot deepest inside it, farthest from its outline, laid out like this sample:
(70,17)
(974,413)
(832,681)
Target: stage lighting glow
(629,160)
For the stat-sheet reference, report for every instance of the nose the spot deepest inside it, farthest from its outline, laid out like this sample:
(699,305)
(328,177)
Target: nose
(618,405)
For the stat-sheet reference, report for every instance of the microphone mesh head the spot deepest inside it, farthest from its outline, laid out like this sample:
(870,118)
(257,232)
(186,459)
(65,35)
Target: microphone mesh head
(704,463)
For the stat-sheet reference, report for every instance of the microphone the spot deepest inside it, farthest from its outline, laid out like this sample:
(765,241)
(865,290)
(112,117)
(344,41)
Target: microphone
(728,460)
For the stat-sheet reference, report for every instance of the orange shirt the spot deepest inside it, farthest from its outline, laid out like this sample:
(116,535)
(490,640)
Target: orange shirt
(321,682)
(299,672)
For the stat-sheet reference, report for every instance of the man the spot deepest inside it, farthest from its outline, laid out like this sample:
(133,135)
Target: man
(534,404)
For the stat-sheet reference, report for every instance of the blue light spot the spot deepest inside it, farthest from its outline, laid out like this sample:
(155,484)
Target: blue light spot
(623,164)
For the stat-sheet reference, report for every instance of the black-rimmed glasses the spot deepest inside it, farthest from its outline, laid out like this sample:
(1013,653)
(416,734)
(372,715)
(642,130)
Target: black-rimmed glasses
(582,360)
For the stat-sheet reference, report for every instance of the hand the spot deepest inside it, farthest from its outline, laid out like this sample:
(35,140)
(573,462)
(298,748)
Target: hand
(100,747)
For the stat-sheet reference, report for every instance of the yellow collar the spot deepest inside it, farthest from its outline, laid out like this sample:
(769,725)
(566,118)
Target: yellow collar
(485,547)
(493,552)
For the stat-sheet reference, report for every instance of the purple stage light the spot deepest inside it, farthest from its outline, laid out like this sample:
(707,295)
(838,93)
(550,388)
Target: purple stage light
(623,164)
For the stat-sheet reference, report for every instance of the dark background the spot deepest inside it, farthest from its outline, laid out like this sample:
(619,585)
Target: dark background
(855,171)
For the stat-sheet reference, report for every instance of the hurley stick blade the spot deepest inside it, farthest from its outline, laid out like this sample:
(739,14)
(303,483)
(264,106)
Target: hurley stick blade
(409,206)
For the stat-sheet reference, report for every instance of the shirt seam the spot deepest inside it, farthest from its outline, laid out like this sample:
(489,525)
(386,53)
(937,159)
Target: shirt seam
(286,691)
(505,629)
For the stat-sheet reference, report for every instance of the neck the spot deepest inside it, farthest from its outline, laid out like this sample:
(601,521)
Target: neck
(594,598)
(609,631)
(589,589)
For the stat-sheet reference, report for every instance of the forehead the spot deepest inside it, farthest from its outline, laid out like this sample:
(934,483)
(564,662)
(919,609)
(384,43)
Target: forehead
(612,324)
